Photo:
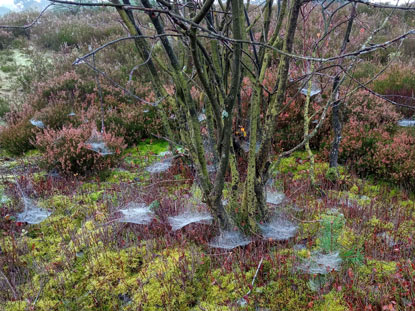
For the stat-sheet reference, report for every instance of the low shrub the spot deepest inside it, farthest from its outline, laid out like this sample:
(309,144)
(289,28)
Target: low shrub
(6,39)
(29,76)
(69,100)
(134,122)
(398,84)
(16,135)
(76,34)
(68,151)
(15,138)
(4,107)
(395,159)
(372,144)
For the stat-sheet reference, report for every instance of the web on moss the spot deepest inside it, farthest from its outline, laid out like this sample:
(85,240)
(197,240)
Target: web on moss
(278,229)
(32,214)
(160,166)
(229,240)
(319,263)
(136,213)
(189,217)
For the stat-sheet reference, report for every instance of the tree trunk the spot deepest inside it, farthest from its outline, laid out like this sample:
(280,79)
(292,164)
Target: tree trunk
(337,124)
(336,119)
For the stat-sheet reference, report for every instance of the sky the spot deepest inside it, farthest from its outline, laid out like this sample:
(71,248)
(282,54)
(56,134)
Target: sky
(7,3)
(10,4)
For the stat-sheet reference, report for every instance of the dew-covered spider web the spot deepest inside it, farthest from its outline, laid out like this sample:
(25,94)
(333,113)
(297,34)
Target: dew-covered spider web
(189,217)
(319,263)
(136,213)
(32,214)
(273,196)
(406,123)
(97,144)
(160,166)
(314,90)
(37,123)
(201,117)
(229,240)
(278,229)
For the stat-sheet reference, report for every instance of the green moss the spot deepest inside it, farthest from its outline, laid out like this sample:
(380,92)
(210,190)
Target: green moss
(381,269)
(58,202)
(371,190)
(347,239)
(298,165)
(32,153)
(94,196)
(332,301)
(136,155)
(377,225)
(164,286)
(332,174)
(225,288)
(290,165)
(289,293)
(354,189)
(212,307)
(406,229)
(117,176)
(90,186)
(18,305)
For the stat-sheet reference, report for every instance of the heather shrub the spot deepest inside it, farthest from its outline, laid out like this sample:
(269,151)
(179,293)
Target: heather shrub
(68,151)
(395,159)
(16,135)
(4,107)
(69,100)
(18,19)
(372,143)
(75,34)
(369,120)
(15,138)
(398,84)
(6,39)
(56,115)
(40,67)
(130,119)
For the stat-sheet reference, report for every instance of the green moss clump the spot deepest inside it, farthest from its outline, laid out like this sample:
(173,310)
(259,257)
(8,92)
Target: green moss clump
(376,225)
(18,305)
(117,176)
(144,149)
(170,282)
(289,294)
(332,301)
(381,269)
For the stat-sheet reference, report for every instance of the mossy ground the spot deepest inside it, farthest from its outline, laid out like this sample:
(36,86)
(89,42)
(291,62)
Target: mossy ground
(81,258)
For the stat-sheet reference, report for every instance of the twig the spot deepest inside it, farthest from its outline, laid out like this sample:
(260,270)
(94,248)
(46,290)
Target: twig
(28,25)
(256,274)
(10,285)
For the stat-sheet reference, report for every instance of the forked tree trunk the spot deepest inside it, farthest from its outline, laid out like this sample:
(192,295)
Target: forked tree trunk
(253,199)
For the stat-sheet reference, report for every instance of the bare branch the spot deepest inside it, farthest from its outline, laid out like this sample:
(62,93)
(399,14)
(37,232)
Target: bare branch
(31,24)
